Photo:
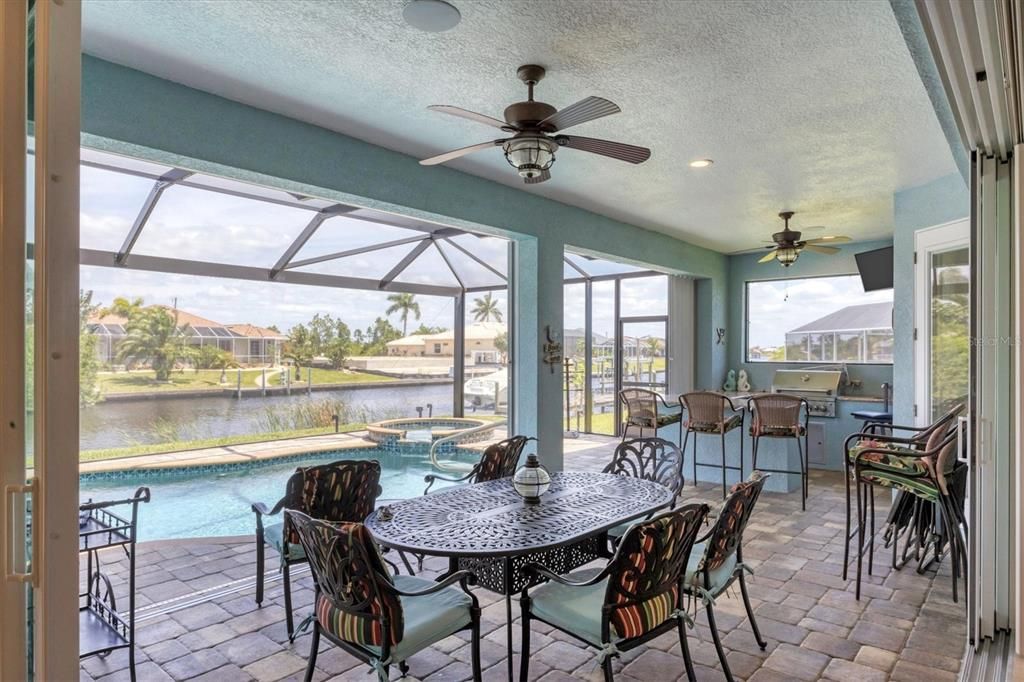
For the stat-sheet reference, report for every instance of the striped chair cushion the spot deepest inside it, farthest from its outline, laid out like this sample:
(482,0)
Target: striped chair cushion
(634,619)
(365,593)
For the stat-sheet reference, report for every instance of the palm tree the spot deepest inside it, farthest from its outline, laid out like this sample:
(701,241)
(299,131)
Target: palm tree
(403,304)
(153,334)
(485,308)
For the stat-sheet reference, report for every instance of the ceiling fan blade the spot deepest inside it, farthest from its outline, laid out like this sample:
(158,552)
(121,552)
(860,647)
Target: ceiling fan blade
(471,115)
(586,109)
(836,239)
(827,250)
(769,257)
(544,175)
(456,153)
(616,150)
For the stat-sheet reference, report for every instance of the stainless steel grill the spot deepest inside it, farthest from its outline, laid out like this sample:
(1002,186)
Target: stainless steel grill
(818,386)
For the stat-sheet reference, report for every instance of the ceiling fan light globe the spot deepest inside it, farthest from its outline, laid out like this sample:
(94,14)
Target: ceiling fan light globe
(787,255)
(530,156)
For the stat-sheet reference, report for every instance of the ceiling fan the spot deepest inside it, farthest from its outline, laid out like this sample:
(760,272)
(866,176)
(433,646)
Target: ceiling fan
(787,244)
(536,132)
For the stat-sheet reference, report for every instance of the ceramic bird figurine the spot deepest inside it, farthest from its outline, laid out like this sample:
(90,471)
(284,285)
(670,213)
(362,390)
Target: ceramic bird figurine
(730,381)
(743,383)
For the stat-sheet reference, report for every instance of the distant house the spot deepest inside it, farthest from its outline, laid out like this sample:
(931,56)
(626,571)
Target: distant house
(857,333)
(250,345)
(480,344)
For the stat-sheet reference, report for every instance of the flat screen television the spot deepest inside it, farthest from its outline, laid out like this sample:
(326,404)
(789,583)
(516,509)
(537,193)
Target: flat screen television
(875,268)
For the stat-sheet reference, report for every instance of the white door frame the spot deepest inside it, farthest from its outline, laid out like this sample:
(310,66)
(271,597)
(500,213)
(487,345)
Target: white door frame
(937,239)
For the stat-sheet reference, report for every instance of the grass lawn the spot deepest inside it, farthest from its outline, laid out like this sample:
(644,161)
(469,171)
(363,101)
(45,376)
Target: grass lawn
(144,381)
(602,423)
(157,448)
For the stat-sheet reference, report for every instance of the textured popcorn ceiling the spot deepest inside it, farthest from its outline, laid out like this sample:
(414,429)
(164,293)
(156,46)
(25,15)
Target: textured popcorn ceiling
(813,106)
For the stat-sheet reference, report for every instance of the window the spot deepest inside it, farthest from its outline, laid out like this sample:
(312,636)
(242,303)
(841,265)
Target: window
(819,320)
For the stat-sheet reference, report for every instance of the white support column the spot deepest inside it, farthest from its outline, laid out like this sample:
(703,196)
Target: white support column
(681,327)
(57,124)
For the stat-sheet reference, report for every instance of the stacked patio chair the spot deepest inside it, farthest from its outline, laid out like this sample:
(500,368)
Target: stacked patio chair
(777,415)
(716,561)
(642,412)
(652,459)
(379,619)
(925,469)
(336,492)
(635,598)
(711,413)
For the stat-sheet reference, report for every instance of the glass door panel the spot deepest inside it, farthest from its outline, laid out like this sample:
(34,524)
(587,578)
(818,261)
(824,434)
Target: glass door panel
(949,354)
(602,362)
(642,344)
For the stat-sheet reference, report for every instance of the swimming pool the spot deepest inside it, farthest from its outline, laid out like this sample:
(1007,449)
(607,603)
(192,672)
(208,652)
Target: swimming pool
(215,500)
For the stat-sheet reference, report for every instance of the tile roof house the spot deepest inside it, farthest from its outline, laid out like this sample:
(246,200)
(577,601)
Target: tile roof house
(250,344)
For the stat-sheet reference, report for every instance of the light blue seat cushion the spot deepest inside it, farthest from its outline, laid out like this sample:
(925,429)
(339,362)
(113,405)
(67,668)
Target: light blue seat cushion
(273,535)
(719,577)
(573,609)
(429,618)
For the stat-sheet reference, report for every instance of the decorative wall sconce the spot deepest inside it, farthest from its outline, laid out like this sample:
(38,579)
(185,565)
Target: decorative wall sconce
(552,350)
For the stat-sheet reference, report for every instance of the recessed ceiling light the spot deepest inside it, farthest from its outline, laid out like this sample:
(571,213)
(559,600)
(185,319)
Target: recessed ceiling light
(701,163)
(433,16)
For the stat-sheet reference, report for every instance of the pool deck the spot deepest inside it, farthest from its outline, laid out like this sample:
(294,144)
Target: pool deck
(276,449)
(198,620)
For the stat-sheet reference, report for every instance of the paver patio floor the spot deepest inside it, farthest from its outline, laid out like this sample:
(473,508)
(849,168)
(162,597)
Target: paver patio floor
(198,620)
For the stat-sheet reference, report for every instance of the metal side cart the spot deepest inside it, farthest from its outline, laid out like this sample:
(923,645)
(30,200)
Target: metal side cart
(103,525)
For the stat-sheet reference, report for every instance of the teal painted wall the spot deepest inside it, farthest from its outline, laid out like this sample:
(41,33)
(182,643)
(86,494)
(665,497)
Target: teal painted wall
(129,112)
(937,202)
(745,268)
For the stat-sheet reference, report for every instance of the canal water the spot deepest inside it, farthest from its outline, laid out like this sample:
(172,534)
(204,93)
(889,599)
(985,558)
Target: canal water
(124,423)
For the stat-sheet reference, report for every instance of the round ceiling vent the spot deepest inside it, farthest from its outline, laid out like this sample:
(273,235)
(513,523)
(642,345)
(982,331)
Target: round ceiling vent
(433,16)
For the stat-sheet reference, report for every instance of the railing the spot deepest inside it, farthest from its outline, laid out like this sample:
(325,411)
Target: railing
(461,467)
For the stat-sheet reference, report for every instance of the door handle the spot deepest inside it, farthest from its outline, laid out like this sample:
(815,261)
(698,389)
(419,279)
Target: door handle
(963,440)
(11,546)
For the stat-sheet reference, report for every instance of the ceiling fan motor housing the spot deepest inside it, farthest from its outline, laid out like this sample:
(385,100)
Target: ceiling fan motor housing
(526,115)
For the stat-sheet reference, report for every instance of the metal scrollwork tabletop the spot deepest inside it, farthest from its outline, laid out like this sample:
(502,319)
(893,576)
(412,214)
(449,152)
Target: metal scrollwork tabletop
(490,520)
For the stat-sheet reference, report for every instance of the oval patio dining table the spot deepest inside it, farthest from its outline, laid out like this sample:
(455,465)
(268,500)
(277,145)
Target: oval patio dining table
(486,528)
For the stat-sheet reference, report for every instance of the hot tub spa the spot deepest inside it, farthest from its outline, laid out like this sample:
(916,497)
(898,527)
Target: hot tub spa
(428,430)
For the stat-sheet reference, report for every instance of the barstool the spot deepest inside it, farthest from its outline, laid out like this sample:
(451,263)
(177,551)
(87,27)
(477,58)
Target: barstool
(777,415)
(712,413)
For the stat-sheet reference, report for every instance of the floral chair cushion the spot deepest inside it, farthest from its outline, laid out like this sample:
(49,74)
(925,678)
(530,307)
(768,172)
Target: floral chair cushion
(714,427)
(769,431)
(893,465)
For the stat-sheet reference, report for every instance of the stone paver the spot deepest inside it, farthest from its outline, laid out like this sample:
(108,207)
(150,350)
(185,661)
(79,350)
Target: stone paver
(904,627)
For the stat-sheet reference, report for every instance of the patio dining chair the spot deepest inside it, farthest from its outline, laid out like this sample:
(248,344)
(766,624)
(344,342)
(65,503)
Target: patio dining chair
(635,598)
(716,561)
(642,412)
(711,413)
(909,516)
(777,415)
(499,460)
(337,492)
(652,459)
(927,472)
(379,619)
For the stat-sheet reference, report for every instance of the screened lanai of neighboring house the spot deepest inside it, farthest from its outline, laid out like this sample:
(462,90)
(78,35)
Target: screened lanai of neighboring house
(857,333)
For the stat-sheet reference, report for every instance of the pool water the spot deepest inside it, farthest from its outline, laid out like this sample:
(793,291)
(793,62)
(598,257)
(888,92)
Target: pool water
(216,500)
